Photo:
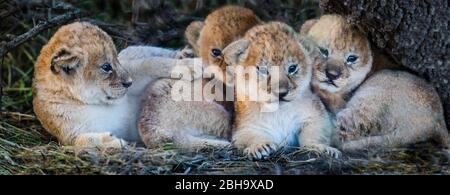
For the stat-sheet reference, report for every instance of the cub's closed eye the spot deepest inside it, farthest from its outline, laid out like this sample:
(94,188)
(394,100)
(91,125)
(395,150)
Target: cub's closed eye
(352,59)
(106,67)
(293,69)
(216,53)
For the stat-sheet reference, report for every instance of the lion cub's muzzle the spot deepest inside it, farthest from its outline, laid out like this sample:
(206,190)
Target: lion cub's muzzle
(284,90)
(119,86)
(127,82)
(333,72)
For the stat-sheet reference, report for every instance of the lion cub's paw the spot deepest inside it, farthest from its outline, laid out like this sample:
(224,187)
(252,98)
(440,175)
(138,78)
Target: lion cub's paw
(187,52)
(347,123)
(161,87)
(324,149)
(260,151)
(111,141)
(354,124)
(344,120)
(101,140)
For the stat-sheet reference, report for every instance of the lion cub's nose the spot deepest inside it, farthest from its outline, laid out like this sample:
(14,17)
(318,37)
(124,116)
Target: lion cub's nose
(127,83)
(332,73)
(282,93)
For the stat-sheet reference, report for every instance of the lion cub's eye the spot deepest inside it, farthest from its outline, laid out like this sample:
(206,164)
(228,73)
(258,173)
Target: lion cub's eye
(216,53)
(352,59)
(324,52)
(106,67)
(293,69)
(262,70)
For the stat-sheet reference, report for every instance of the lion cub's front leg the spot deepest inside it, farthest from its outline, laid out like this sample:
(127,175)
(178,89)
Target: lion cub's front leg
(348,122)
(358,120)
(255,144)
(250,136)
(318,134)
(103,140)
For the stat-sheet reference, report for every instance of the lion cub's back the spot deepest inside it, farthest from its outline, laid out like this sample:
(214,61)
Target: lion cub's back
(406,98)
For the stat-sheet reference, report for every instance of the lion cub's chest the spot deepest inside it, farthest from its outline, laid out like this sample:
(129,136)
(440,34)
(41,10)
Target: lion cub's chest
(118,118)
(284,125)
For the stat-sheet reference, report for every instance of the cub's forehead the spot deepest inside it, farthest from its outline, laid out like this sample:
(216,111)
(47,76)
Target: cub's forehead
(83,35)
(277,54)
(275,43)
(334,32)
(214,36)
(226,25)
(234,18)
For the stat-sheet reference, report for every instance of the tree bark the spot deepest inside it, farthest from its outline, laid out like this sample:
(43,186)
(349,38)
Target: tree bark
(414,33)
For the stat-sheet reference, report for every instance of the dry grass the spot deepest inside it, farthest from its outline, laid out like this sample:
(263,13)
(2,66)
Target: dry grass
(25,147)
(29,150)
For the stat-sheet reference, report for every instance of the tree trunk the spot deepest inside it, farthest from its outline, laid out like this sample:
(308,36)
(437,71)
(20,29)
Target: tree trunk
(414,33)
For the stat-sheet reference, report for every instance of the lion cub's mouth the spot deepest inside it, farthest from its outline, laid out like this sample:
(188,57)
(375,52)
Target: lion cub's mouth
(110,98)
(285,100)
(330,82)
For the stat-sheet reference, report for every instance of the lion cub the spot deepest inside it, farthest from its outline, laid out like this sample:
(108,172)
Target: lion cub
(220,28)
(83,94)
(202,122)
(274,53)
(387,109)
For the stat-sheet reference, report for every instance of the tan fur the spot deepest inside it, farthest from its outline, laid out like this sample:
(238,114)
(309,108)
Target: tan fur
(301,120)
(220,28)
(340,39)
(306,27)
(191,125)
(192,34)
(78,102)
(390,109)
(381,61)
(201,123)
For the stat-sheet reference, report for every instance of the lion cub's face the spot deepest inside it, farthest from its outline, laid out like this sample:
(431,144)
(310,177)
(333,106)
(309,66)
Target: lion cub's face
(85,59)
(345,57)
(274,53)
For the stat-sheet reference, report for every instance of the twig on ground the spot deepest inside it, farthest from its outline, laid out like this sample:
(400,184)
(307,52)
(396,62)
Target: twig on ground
(18,114)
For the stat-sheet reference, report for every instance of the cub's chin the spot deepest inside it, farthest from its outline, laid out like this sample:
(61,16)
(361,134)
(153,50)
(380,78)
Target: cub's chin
(112,96)
(268,99)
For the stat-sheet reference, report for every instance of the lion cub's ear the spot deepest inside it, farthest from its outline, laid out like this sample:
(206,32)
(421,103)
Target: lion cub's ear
(192,33)
(65,61)
(307,26)
(236,52)
(309,45)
